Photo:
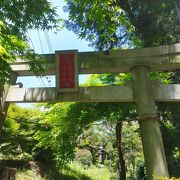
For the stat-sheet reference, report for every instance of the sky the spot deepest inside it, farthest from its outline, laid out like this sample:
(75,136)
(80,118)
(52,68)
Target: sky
(48,42)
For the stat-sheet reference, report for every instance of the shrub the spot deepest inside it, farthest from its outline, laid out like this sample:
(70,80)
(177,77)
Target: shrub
(84,157)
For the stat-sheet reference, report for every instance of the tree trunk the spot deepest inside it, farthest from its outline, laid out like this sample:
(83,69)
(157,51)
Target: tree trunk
(121,164)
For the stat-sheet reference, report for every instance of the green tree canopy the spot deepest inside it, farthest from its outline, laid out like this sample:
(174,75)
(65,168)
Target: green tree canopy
(113,23)
(20,16)
(103,23)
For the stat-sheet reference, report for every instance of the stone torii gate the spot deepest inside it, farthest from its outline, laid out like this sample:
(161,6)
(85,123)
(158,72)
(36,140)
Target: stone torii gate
(142,91)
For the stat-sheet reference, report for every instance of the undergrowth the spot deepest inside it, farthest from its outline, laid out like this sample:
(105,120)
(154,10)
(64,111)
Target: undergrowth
(92,173)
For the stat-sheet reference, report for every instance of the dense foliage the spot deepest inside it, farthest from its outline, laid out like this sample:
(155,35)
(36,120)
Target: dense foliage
(155,22)
(17,139)
(67,131)
(59,127)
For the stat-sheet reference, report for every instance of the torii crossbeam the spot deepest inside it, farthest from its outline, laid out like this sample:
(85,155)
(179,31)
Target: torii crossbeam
(142,90)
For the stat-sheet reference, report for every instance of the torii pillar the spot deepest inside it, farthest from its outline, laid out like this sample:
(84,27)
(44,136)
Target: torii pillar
(154,155)
(3,104)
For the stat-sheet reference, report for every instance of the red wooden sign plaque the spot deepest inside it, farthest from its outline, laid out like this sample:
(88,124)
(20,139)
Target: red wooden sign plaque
(67,75)
(66,71)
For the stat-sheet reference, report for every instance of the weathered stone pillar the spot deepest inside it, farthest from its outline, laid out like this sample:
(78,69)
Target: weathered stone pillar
(3,104)
(155,160)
